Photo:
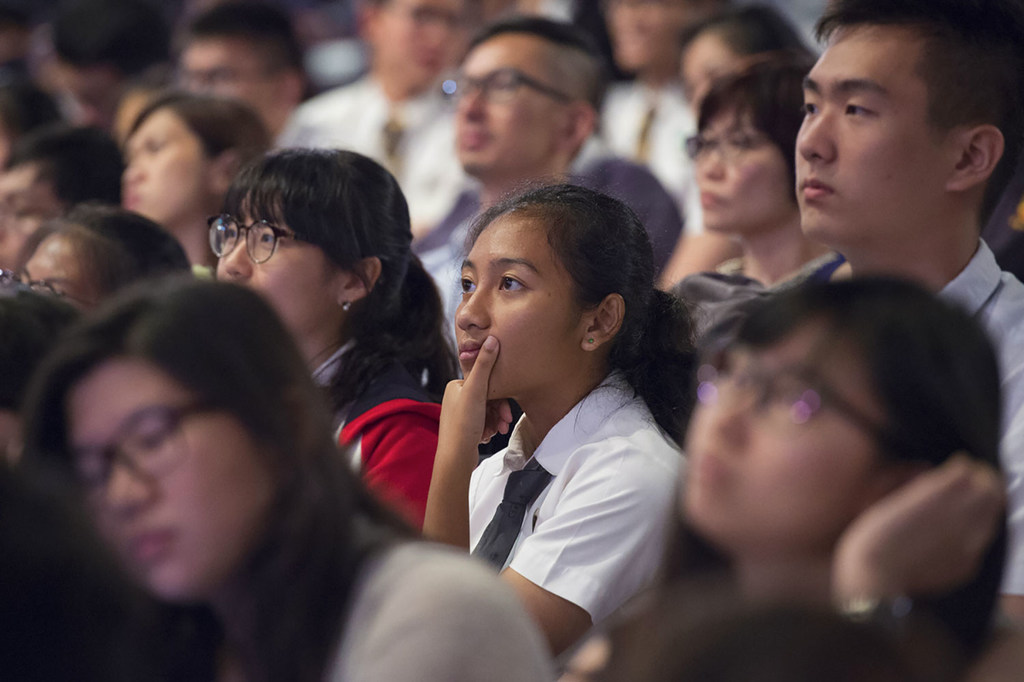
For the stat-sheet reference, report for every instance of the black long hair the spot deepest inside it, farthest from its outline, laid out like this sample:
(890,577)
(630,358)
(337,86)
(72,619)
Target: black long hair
(113,247)
(935,374)
(352,208)
(605,249)
(225,344)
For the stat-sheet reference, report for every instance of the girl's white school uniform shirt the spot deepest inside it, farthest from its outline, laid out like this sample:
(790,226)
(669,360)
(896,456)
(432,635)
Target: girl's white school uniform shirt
(595,536)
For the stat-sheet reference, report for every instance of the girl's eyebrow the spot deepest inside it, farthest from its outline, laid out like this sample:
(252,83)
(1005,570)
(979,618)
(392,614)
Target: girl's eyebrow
(503,263)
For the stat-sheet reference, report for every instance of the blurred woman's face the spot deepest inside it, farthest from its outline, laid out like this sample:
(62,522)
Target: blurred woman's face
(167,174)
(779,464)
(56,267)
(180,490)
(745,186)
(706,58)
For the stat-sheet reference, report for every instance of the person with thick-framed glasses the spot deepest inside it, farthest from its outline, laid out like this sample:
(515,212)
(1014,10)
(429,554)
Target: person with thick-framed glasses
(187,419)
(325,236)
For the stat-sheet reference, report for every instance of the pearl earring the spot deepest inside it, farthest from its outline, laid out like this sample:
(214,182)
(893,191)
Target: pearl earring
(346,305)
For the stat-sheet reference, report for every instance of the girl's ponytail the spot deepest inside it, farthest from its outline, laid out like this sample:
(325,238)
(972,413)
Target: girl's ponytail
(660,363)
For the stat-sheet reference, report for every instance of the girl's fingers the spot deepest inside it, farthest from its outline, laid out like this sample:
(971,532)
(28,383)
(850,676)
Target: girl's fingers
(475,384)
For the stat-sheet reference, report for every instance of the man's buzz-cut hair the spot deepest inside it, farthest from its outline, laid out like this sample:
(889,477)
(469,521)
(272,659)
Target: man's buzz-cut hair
(268,27)
(574,61)
(972,64)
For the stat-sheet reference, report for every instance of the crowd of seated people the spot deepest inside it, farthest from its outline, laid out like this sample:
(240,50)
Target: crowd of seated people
(624,340)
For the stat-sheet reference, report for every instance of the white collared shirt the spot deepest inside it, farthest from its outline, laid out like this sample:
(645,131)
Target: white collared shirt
(596,535)
(996,299)
(622,116)
(353,116)
(322,376)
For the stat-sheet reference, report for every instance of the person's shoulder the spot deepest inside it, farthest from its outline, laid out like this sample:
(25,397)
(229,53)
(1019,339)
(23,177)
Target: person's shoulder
(335,101)
(619,95)
(620,431)
(1003,316)
(429,613)
(422,576)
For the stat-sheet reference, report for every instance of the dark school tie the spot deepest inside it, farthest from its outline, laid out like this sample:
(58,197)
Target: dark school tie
(521,489)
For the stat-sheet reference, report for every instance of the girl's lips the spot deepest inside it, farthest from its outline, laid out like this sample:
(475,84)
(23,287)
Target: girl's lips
(473,140)
(149,547)
(709,200)
(468,352)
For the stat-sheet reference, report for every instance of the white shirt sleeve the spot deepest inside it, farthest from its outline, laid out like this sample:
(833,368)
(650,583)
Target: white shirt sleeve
(599,534)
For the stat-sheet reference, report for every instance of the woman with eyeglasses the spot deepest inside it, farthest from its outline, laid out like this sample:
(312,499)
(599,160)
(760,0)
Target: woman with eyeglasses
(187,416)
(181,154)
(845,449)
(95,251)
(744,161)
(715,48)
(843,455)
(324,235)
(743,154)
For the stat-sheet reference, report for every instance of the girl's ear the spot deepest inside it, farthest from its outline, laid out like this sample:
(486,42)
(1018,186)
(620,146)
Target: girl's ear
(603,322)
(357,283)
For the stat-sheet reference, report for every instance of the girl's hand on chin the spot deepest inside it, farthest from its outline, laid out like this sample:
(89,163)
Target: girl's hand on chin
(466,413)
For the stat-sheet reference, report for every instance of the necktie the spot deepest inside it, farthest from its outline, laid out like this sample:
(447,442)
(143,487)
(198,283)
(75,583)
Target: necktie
(643,138)
(392,134)
(521,489)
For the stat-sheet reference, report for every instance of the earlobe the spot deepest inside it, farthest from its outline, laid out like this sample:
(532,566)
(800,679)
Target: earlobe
(980,149)
(356,284)
(603,322)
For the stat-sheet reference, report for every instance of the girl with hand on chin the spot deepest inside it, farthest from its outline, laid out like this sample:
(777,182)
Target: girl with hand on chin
(559,312)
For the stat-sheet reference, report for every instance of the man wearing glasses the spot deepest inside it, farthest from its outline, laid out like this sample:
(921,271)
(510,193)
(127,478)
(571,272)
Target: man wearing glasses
(527,97)
(396,114)
(246,50)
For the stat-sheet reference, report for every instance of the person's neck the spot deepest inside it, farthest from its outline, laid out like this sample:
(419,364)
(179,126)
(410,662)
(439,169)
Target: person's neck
(495,189)
(235,611)
(658,76)
(542,411)
(932,258)
(396,90)
(805,580)
(318,349)
(775,253)
(278,122)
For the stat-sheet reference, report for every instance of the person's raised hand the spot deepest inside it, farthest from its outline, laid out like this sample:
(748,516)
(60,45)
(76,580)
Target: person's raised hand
(468,417)
(929,535)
